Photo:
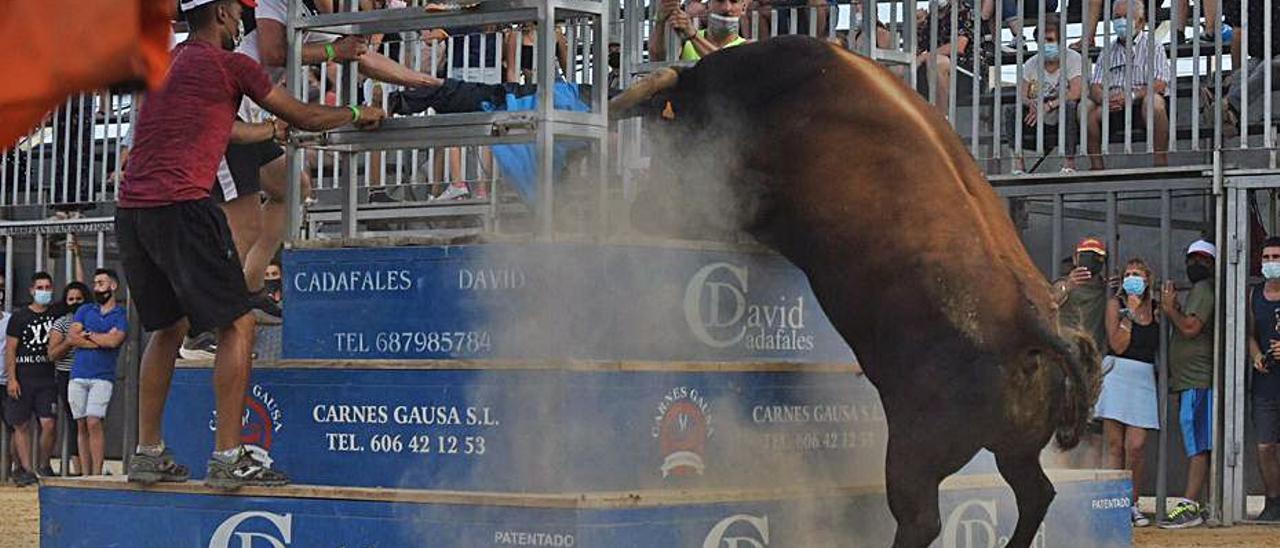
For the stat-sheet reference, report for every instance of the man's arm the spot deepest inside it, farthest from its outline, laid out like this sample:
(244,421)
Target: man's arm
(312,117)
(110,339)
(79,337)
(59,345)
(11,364)
(383,69)
(1095,95)
(272,46)
(243,133)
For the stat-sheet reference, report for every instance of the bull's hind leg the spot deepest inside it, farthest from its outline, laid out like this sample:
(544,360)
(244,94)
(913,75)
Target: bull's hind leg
(917,461)
(1032,489)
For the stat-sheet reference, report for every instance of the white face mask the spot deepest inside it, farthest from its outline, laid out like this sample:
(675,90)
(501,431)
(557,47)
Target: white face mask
(721,26)
(396,4)
(1271,270)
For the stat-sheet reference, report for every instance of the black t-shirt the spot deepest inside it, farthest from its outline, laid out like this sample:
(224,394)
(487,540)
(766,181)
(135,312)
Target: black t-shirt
(1266,328)
(32,331)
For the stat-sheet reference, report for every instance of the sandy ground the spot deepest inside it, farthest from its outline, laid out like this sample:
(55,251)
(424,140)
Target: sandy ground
(20,527)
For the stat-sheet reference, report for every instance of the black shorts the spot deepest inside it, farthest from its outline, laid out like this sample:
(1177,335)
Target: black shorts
(38,397)
(180,261)
(238,171)
(1266,420)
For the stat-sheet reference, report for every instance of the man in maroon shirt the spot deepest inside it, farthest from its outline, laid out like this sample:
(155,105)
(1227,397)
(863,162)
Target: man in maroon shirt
(182,265)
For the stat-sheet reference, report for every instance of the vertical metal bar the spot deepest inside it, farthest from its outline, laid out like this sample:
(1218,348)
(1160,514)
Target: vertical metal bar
(955,67)
(68,259)
(599,54)
(1019,127)
(1162,372)
(41,252)
(932,71)
(1056,231)
(545,50)
(1195,76)
(1113,227)
(1216,412)
(294,161)
(1243,70)
(1172,104)
(997,126)
(1268,66)
(65,172)
(1130,44)
(1149,104)
(1106,79)
(133,369)
(975,93)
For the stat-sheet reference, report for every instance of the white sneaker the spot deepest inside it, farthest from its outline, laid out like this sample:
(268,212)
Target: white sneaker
(454,191)
(1139,519)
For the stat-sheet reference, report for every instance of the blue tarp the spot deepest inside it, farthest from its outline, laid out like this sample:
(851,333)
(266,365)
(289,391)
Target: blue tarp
(519,163)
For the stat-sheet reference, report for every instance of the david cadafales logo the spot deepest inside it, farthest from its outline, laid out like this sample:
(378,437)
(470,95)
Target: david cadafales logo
(739,531)
(274,530)
(975,523)
(682,426)
(721,312)
(261,421)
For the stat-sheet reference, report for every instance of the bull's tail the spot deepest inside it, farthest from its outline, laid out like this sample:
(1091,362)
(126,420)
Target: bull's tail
(1081,367)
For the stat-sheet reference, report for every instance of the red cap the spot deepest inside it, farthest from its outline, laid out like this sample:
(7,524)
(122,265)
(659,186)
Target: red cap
(1093,245)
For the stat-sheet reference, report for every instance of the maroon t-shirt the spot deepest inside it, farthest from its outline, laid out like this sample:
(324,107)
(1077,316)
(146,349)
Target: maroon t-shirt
(183,128)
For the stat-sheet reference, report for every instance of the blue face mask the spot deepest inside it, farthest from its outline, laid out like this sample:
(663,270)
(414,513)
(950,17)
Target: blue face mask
(1121,28)
(1050,50)
(1271,270)
(43,297)
(1134,285)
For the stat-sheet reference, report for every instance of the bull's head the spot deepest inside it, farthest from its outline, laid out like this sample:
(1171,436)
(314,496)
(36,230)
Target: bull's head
(695,185)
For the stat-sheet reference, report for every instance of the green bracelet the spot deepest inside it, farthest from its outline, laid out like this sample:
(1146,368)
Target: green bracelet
(329,53)
(355,113)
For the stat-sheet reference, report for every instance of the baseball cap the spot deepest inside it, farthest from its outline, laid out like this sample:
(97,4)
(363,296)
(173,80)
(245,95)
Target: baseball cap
(188,5)
(1201,246)
(1093,245)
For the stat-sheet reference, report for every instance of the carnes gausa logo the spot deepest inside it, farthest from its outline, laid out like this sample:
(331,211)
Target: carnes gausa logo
(739,531)
(975,524)
(261,421)
(682,426)
(722,313)
(265,529)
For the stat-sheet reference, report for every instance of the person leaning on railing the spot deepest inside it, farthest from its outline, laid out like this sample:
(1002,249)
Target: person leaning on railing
(1042,76)
(722,29)
(1123,66)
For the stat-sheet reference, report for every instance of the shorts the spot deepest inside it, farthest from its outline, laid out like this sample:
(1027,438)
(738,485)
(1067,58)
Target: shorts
(1195,416)
(38,397)
(180,261)
(89,398)
(238,170)
(1266,420)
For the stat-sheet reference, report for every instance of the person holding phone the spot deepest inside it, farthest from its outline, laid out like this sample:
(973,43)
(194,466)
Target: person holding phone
(1264,355)
(1082,293)
(1127,404)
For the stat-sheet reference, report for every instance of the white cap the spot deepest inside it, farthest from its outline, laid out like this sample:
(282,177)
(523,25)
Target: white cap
(188,5)
(1201,246)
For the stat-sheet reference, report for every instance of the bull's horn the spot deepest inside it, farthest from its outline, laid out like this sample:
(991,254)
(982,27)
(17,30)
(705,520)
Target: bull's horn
(657,81)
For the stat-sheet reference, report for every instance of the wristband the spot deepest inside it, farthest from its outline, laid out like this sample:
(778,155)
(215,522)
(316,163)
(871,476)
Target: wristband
(355,113)
(329,52)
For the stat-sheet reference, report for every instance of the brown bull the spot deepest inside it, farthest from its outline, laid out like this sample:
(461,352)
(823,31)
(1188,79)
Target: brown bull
(835,163)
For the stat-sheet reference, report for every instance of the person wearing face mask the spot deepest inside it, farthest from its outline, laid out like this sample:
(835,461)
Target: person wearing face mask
(722,29)
(62,352)
(32,390)
(1127,404)
(1054,74)
(97,331)
(274,281)
(1082,294)
(1124,72)
(1191,375)
(175,244)
(1264,356)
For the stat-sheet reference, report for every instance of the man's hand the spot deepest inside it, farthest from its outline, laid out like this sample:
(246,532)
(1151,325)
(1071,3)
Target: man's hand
(682,24)
(349,48)
(1274,351)
(1168,296)
(15,390)
(1116,102)
(1032,115)
(279,130)
(1078,277)
(668,8)
(370,118)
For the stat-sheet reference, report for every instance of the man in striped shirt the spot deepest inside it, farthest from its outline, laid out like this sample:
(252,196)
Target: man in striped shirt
(1125,71)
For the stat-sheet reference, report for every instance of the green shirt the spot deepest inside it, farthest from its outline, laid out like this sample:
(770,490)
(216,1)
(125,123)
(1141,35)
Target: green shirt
(690,53)
(1191,359)
(1086,308)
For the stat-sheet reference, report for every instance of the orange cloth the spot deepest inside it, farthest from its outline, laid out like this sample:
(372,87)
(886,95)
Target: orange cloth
(58,47)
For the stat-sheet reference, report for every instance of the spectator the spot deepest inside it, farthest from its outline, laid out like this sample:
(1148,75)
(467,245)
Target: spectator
(1264,354)
(31,387)
(175,244)
(950,57)
(856,41)
(1042,76)
(97,332)
(785,11)
(1191,375)
(62,352)
(274,282)
(1127,404)
(1123,68)
(520,60)
(723,20)
(1254,74)
(1082,294)
(1030,10)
